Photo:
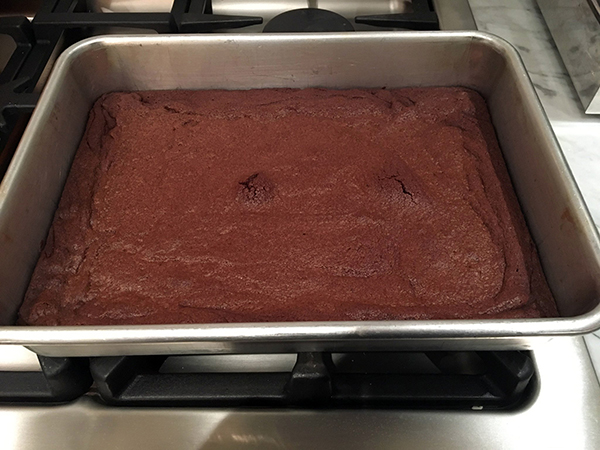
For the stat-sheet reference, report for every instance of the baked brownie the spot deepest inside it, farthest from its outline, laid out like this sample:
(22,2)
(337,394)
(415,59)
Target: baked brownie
(287,205)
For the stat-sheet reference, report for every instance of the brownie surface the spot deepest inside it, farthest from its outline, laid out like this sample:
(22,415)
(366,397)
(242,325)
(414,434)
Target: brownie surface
(287,205)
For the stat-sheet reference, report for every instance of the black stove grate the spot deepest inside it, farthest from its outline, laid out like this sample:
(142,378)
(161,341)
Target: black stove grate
(423,380)
(490,380)
(72,20)
(60,380)
(186,16)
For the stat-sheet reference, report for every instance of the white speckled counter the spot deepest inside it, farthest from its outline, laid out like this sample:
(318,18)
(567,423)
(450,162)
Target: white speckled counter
(521,23)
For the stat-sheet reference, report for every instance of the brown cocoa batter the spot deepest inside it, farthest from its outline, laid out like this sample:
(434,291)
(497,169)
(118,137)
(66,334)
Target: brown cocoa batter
(287,205)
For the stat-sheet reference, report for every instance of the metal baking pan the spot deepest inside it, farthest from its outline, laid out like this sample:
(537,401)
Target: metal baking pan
(557,217)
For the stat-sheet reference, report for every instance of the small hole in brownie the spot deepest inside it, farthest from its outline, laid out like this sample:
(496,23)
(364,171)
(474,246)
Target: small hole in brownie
(255,190)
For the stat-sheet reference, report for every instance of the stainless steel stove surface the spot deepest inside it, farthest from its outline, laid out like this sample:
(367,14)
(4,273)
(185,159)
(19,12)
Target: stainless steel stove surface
(563,414)
(561,411)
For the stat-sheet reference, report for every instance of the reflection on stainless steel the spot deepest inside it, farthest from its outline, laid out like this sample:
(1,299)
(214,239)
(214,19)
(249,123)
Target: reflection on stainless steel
(563,414)
(575,27)
(130,5)
(230,363)
(566,237)
(17,358)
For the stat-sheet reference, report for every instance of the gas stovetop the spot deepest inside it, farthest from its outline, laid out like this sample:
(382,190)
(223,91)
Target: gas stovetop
(561,411)
(546,398)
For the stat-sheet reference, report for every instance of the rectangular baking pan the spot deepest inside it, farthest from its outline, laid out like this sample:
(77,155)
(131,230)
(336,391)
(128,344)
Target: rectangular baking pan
(557,217)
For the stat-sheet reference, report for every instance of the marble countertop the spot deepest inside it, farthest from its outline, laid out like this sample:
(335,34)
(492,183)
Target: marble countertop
(521,23)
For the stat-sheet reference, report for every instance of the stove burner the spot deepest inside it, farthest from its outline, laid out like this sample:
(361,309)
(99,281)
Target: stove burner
(307,20)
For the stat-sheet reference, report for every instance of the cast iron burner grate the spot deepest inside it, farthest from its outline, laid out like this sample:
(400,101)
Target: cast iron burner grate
(308,20)
(60,380)
(423,380)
